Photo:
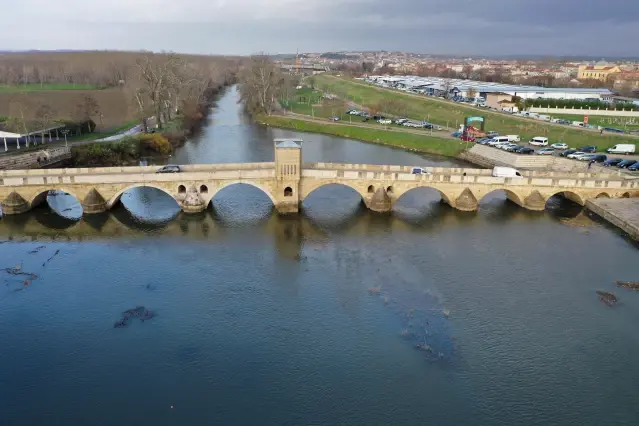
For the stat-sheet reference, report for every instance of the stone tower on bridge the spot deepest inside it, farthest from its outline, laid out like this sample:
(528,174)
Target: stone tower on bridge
(288,172)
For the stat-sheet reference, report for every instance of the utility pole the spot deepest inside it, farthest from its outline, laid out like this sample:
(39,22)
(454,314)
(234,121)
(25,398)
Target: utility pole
(65,132)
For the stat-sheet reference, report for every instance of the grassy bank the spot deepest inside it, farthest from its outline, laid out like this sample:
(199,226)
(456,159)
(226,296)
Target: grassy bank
(623,123)
(452,114)
(35,87)
(410,141)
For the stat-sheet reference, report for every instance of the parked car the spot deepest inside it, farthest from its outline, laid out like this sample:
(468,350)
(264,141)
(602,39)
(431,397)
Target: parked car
(613,130)
(539,141)
(401,120)
(169,169)
(546,151)
(634,167)
(513,148)
(525,150)
(483,141)
(492,134)
(600,158)
(334,118)
(626,163)
(437,127)
(419,171)
(467,138)
(589,149)
(385,121)
(456,134)
(586,157)
(576,154)
(559,145)
(612,162)
(567,152)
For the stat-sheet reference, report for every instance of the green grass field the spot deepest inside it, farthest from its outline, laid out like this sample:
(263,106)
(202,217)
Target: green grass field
(412,141)
(36,87)
(451,114)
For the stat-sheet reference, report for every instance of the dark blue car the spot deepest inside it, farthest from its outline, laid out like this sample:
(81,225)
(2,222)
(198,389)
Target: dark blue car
(626,163)
(634,167)
(612,162)
(588,149)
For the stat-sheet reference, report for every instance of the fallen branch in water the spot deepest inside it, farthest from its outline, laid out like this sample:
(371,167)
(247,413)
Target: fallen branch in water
(49,259)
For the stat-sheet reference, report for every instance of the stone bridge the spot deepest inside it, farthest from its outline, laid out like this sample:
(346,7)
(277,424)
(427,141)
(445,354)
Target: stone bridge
(288,181)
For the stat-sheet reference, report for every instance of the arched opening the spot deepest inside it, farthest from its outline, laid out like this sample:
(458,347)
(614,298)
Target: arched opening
(371,189)
(332,203)
(146,204)
(422,204)
(181,189)
(626,195)
(501,204)
(603,195)
(241,203)
(59,203)
(288,191)
(565,204)
(204,189)
(389,190)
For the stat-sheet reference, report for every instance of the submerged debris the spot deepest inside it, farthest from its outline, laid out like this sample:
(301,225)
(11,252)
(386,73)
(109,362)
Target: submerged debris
(37,249)
(633,285)
(139,312)
(607,298)
(49,259)
(375,290)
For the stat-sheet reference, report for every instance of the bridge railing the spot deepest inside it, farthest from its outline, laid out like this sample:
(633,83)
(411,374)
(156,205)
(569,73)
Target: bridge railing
(135,169)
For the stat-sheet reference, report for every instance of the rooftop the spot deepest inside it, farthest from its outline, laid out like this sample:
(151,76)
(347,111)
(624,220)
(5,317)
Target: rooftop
(288,143)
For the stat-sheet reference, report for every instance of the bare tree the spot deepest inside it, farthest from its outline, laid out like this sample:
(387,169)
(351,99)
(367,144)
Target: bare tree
(447,85)
(393,106)
(46,115)
(471,93)
(86,109)
(261,82)
(19,108)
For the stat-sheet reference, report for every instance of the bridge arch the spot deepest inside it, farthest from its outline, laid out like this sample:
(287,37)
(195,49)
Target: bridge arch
(212,191)
(362,193)
(512,196)
(446,198)
(570,195)
(41,196)
(114,200)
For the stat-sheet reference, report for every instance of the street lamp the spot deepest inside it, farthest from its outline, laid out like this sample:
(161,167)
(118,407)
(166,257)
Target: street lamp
(65,132)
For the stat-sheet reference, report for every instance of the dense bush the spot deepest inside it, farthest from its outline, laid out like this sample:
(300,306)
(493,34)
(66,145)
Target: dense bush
(155,143)
(126,151)
(574,103)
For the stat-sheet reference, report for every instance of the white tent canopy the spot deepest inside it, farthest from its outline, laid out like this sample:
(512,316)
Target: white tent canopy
(9,135)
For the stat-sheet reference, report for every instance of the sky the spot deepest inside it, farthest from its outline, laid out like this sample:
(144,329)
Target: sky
(457,27)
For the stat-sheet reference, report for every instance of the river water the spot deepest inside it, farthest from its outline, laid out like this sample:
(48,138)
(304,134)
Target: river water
(335,317)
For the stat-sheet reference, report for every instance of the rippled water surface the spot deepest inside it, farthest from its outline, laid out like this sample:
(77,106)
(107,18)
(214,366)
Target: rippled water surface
(335,317)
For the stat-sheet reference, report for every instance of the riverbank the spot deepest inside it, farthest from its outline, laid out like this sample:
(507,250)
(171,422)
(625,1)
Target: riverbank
(397,139)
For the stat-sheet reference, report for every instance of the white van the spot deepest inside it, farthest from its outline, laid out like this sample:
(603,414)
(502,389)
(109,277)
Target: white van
(507,172)
(622,148)
(577,124)
(539,141)
(513,138)
(498,139)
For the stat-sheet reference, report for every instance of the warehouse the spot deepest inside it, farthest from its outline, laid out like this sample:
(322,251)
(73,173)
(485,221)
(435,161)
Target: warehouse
(437,86)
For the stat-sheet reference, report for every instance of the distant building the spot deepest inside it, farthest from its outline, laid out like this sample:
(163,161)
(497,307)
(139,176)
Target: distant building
(597,72)
(625,81)
(496,100)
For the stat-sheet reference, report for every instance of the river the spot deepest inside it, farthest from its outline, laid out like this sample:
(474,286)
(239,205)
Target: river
(336,317)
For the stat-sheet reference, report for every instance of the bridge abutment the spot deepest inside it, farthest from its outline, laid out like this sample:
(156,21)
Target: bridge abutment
(94,203)
(466,201)
(15,204)
(193,202)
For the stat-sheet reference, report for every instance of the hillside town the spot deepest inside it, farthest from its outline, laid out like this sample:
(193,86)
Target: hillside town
(622,77)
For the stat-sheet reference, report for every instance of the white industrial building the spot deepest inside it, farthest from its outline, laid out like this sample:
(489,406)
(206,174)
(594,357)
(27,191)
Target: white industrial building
(438,86)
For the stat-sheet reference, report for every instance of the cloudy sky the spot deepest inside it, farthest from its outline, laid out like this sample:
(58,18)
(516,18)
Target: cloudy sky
(480,27)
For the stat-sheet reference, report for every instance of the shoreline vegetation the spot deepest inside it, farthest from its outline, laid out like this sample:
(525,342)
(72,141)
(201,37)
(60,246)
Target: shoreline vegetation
(396,139)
